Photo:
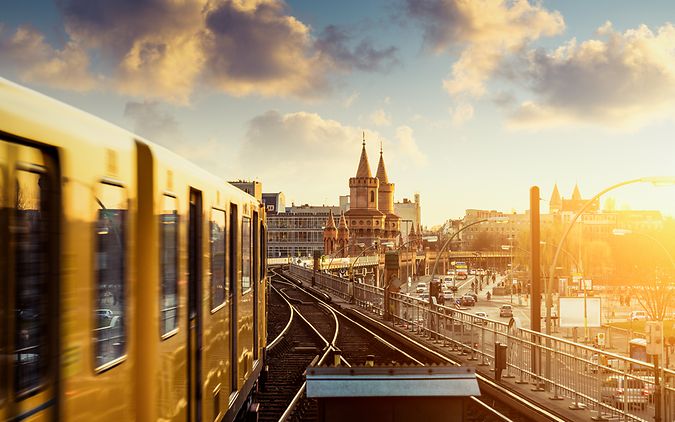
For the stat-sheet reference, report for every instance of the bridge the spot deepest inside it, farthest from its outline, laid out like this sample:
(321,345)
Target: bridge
(570,377)
(411,262)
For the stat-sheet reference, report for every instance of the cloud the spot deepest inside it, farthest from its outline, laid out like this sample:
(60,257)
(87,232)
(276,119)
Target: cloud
(486,30)
(36,61)
(321,154)
(347,103)
(150,120)
(461,114)
(619,78)
(256,47)
(380,118)
(333,43)
(407,148)
(166,49)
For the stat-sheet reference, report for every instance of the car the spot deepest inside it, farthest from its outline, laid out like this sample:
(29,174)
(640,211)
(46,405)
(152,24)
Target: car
(467,300)
(106,318)
(638,316)
(619,391)
(421,287)
(451,272)
(448,297)
(472,272)
(506,311)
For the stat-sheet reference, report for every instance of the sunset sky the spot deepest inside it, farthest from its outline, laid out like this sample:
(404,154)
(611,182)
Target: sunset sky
(473,101)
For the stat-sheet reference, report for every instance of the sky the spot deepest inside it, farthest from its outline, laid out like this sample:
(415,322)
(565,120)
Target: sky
(472,102)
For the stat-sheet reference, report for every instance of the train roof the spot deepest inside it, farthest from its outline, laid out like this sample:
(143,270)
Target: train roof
(63,125)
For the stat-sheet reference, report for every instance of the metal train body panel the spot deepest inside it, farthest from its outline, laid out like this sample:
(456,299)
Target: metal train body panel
(128,328)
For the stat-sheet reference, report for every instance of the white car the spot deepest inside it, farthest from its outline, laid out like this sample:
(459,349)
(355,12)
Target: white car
(421,287)
(617,391)
(638,316)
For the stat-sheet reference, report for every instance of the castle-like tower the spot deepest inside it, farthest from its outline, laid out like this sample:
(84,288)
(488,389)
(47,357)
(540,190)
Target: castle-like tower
(365,221)
(555,204)
(330,235)
(343,237)
(385,194)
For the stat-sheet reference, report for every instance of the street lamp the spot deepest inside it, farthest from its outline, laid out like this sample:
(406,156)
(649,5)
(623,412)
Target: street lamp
(656,181)
(333,255)
(351,266)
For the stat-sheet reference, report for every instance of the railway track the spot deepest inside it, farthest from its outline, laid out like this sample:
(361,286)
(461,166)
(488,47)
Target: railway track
(294,348)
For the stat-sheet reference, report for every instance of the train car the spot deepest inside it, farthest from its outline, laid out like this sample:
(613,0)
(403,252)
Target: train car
(132,282)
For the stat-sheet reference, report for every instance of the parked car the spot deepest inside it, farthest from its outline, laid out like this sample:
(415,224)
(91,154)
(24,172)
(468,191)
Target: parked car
(638,316)
(104,317)
(619,391)
(467,300)
(506,311)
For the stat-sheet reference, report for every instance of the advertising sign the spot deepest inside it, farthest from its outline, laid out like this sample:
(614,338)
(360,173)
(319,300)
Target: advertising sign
(572,311)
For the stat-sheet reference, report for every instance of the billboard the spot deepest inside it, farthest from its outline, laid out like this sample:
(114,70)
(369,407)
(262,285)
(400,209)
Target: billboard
(572,311)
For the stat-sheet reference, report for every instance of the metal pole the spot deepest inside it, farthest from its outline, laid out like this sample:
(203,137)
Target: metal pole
(535,277)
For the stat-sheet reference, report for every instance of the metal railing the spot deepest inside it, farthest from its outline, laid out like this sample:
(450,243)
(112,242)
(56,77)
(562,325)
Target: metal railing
(609,384)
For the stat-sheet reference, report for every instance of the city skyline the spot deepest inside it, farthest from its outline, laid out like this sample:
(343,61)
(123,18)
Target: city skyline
(473,102)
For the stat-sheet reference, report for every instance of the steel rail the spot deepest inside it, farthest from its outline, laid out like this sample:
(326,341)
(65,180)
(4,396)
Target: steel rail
(550,416)
(288,324)
(361,326)
(327,349)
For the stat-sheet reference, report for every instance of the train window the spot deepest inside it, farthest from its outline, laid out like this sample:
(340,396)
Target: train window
(169,261)
(217,258)
(109,314)
(31,277)
(245,254)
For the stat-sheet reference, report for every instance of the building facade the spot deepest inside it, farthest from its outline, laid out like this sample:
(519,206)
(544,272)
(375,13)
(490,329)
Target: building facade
(253,188)
(298,231)
(411,215)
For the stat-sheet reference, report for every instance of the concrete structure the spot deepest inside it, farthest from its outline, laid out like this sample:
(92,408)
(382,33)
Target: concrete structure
(274,202)
(253,188)
(410,213)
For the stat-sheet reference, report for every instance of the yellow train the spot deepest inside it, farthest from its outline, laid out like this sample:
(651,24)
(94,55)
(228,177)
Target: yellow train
(132,282)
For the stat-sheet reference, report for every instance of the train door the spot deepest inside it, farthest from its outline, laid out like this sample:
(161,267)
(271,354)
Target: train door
(256,282)
(194,346)
(233,295)
(29,282)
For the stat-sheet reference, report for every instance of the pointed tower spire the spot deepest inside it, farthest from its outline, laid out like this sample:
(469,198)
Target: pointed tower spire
(576,195)
(343,222)
(330,223)
(364,167)
(555,204)
(381,170)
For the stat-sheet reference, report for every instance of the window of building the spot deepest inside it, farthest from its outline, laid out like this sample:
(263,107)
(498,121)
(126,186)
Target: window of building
(168,232)
(110,310)
(217,241)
